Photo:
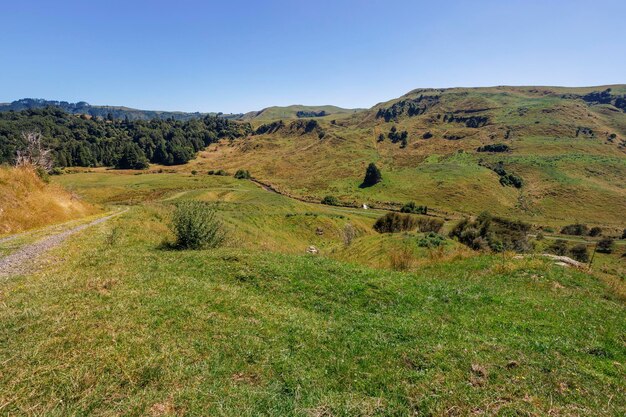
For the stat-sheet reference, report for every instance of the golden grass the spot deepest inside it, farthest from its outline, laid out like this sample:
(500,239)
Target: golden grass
(28,202)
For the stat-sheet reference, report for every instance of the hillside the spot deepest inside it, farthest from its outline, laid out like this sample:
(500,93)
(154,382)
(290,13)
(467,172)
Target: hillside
(28,202)
(564,153)
(296,112)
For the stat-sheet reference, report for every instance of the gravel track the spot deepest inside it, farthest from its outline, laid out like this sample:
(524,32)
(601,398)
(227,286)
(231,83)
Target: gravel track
(23,260)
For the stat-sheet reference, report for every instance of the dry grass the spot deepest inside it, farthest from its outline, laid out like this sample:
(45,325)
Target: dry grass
(28,202)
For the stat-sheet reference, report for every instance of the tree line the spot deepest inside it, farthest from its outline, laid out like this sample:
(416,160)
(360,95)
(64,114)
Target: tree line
(88,142)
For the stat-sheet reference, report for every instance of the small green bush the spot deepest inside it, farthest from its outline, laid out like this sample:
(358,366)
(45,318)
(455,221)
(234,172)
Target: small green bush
(606,245)
(195,225)
(595,231)
(495,233)
(577,229)
(579,252)
(411,207)
(431,240)
(194,172)
(395,222)
(429,224)
(242,174)
(330,200)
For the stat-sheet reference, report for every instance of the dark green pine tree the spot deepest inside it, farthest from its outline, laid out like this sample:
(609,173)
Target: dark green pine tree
(132,157)
(372,176)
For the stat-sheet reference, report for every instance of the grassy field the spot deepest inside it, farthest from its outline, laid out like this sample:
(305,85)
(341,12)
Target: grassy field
(127,326)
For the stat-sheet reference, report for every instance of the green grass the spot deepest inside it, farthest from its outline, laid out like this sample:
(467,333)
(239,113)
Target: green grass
(130,328)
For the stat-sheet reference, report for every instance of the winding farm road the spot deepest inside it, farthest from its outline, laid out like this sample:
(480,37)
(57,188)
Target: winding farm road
(22,260)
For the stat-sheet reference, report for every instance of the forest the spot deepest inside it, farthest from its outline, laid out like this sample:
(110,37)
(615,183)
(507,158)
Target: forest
(94,141)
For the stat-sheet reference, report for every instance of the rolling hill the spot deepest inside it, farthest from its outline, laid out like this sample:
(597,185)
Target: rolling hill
(297,111)
(563,153)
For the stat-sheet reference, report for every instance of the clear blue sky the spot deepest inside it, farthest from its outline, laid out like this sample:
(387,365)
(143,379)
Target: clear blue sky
(237,56)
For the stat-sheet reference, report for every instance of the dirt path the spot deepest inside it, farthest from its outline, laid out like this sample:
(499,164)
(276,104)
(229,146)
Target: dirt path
(22,260)
(385,207)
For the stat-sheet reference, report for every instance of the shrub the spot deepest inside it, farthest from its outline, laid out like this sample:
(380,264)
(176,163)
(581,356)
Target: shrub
(606,245)
(498,147)
(495,233)
(395,222)
(579,252)
(56,171)
(211,172)
(558,247)
(577,229)
(195,225)
(330,200)
(431,240)
(624,234)
(511,180)
(242,174)
(411,207)
(221,172)
(595,231)
(372,176)
(194,172)
(427,135)
(429,224)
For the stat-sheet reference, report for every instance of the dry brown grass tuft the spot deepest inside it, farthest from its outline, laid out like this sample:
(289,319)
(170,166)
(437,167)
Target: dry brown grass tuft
(28,202)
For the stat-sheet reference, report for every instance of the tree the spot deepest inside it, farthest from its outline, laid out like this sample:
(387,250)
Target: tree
(372,176)
(34,154)
(132,157)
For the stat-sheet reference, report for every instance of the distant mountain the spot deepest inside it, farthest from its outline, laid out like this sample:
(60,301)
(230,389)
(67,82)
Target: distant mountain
(115,112)
(297,111)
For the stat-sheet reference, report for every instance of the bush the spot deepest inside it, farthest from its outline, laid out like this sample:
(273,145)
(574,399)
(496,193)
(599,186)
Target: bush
(579,252)
(242,174)
(411,207)
(194,172)
(595,231)
(577,229)
(330,200)
(498,147)
(495,233)
(195,226)
(395,222)
(606,245)
(559,247)
(431,240)
(372,176)
(429,224)
(624,234)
